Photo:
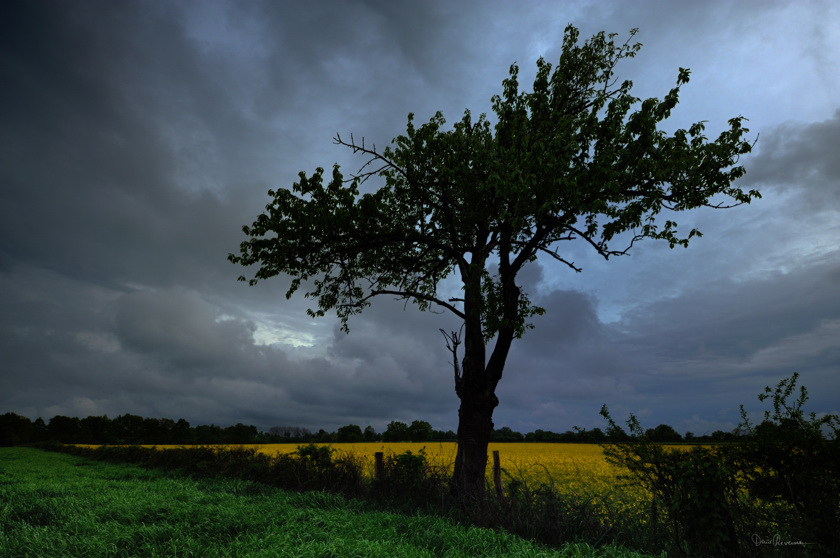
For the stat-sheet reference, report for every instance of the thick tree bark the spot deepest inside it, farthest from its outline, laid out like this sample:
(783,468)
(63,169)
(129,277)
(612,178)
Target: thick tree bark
(475,424)
(475,415)
(476,387)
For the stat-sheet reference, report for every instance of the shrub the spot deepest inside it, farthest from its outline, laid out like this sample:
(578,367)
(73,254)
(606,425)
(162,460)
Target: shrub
(780,482)
(543,513)
(695,489)
(791,463)
(313,467)
(411,478)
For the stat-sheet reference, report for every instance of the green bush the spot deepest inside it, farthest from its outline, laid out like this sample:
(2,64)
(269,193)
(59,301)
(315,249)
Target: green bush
(695,491)
(779,485)
(313,467)
(318,458)
(541,512)
(410,469)
(410,479)
(791,463)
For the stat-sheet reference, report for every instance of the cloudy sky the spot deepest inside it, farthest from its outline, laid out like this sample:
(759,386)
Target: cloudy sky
(138,138)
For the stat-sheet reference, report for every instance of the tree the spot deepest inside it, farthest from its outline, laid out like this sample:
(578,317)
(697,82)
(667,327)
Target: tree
(506,434)
(396,431)
(15,429)
(208,434)
(370,434)
(322,436)
(96,430)
(420,431)
(240,434)
(66,430)
(128,429)
(182,433)
(567,161)
(350,433)
(289,432)
(40,430)
(663,433)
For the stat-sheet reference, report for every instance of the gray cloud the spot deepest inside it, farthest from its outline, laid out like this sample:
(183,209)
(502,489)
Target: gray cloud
(701,353)
(801,157)
(138,138)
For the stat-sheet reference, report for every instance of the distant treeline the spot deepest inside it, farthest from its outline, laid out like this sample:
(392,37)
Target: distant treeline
(133,429)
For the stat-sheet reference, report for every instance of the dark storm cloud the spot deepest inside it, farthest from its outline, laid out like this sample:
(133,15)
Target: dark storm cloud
(559,372)
(171,353)
(714,347)
(803,158)
(137,138)
(181,326)
(90,186)
(702,353)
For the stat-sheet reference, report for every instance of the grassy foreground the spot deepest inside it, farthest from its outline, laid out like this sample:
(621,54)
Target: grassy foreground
(60,505)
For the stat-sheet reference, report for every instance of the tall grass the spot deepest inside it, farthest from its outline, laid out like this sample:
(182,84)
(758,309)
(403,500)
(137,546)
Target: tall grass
(546,512)
(63,505)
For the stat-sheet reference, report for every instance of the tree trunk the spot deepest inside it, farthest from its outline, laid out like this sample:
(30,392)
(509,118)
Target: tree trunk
(478,399)
(475,424)
(476,387)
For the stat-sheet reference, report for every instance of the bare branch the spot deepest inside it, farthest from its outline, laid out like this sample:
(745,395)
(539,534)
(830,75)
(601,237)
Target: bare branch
(374,156)
(721,206)
(421,296)
(599,248)
(452,341)
(557,257)
(404,294)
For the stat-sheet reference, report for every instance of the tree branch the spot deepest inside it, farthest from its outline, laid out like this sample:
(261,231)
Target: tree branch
(452,341)
(557,257)
(406,294)
(375,156)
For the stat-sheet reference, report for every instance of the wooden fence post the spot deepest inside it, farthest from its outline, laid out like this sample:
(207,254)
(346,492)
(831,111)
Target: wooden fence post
(497,476)
(379,465)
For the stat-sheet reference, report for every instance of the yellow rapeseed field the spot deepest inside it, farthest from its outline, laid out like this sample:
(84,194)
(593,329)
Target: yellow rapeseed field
(578,470)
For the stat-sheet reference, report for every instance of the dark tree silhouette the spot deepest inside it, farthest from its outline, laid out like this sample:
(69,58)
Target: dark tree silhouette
(577,159)
(396,431)
(350,433)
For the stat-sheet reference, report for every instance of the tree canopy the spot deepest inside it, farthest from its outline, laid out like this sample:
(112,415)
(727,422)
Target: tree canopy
(566,161)
(578,158)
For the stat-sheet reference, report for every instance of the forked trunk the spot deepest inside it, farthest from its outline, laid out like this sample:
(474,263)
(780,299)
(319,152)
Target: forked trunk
(476,387)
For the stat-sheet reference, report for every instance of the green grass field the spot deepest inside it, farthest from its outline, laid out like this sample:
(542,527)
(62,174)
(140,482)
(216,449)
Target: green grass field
(54,505)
